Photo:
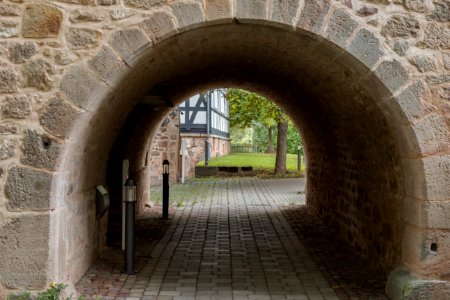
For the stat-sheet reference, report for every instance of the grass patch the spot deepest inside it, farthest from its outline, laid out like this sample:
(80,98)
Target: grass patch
(259,161)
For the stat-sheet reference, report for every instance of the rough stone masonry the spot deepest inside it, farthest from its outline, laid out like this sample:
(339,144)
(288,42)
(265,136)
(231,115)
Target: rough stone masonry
(367,82)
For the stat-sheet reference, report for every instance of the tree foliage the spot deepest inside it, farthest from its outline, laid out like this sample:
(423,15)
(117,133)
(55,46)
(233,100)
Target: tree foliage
(247,107)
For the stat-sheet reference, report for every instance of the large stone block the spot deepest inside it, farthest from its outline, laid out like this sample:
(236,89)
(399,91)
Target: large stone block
(436,37)
(8,81)
(35,74)
(392,75)
(251,9)
(428,178)
(435,215)
(107,65)
(58,117)
(17,107)
(365,46)
(24,248)
(401,285)
(313,15)
(82,88)
(129,43)
(340,27)
(188,13)
(146,4)
(28,189)
(218,10)
(159,25)
(20,52)
(413,102)
(84,2)
(405,26)
(78,16)
(83,38)
(40,151)
(8,29)
(432,134)
(9,10)
(284,11)
(41,21)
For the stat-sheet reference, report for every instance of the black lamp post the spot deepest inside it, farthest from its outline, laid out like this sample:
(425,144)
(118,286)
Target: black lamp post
(130,206)
(165,191)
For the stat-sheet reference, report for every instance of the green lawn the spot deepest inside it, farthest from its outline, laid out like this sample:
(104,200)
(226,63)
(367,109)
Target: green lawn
(259,161)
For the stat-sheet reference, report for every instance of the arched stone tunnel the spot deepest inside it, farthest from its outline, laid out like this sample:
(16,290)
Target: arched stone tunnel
(376,136)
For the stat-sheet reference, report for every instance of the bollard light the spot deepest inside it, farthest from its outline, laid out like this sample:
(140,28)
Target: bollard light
(165,166)
(130,207)
(130,191)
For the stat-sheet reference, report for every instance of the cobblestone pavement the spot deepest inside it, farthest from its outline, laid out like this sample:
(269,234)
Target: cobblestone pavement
(235,239)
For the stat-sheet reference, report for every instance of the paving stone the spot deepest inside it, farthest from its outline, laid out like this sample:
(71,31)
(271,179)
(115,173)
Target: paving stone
(238,242)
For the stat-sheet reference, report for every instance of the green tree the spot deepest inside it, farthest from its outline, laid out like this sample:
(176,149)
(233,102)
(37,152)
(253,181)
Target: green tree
(246,108)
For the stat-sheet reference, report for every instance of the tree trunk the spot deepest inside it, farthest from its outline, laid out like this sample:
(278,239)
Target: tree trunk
(280,165)
(270,140)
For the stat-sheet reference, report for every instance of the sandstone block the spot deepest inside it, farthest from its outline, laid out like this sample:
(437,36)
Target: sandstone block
(40,151)
(7,129)
(129,43)
(416,5)
(35,74)
(84,2)
(446,59)
(107,65)
(28,189)
(107,2)
(20,52)
(9,10)
(313,14)
(17,107)
(41,21)
(441,11)
(218,9)
(83,38)
(423,63)
(24,248)
(340,27)
(367,11)
(146,4)
(284,11)
(412,101)
(159,25)
(429,178)
(436,37)
(58,117)
(8,81)
(62,58)
(437,79)
(365,47)
(8,147)
(405,26)
(80,87)
(392,75)
(435,214)
(87,16)
(119,14)
(8,29)
(251,9)
(188,13)
(432,134)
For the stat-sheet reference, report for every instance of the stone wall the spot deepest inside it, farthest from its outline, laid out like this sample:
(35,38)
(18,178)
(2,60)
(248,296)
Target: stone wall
(195,150)
(367,83)
(165,145)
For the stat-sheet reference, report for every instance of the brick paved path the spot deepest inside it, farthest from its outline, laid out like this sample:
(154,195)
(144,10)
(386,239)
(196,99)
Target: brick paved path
(230,241)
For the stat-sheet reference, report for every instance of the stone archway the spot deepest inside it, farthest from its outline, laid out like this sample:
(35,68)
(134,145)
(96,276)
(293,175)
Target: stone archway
(376,137)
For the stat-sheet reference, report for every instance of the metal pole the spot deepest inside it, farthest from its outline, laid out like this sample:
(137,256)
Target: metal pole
(125,167)
(129,238)
(183,157)
(299,159)
(165,208)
